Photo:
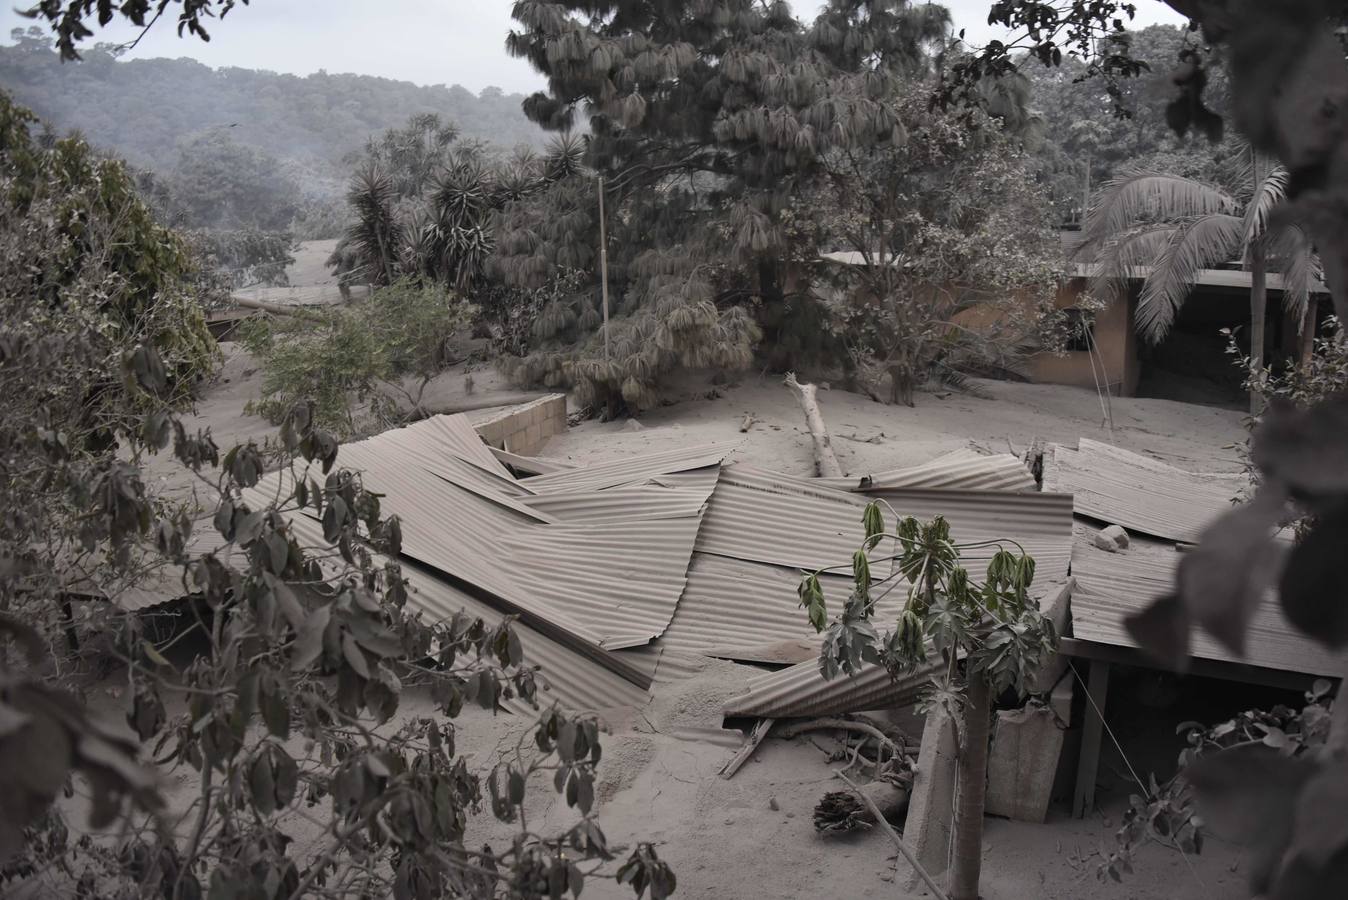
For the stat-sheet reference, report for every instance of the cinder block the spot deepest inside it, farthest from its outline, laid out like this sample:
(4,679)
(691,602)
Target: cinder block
(533,434)
(1026,744)
(931,813)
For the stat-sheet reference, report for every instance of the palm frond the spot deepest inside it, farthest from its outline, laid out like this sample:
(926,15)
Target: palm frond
(1119,259)
(1293,254)
(1141,197)
(1201,243)
(1267,195)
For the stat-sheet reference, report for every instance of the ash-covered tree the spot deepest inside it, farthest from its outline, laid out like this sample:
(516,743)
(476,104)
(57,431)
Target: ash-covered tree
(954,258)
(706,118)
(423,203)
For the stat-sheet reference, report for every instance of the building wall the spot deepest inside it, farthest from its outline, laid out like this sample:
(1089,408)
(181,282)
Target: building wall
(526,428)
(1115,342)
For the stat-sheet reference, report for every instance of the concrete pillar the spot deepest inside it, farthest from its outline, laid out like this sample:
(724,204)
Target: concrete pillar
(931,811)
(1026,744)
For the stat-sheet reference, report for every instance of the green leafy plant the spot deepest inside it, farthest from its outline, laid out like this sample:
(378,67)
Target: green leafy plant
(364,366)
(977,640)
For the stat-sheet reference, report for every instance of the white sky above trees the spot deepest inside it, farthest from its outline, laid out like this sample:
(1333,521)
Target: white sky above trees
(424,41)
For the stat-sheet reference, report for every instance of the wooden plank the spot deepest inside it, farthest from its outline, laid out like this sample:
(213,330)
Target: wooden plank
(1088,764)
(750,745)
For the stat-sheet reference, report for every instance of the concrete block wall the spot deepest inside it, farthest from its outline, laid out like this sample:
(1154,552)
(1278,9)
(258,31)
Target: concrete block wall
(525,429)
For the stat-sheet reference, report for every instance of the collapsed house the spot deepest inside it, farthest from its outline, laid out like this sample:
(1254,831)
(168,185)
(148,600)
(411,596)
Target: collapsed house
(630,574)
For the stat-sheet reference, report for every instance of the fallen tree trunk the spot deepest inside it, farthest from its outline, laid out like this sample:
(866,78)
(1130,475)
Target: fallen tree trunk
(839,812)
(825,462)
(276,309)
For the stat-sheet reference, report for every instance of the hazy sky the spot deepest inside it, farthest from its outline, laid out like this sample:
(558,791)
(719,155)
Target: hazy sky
(425,41)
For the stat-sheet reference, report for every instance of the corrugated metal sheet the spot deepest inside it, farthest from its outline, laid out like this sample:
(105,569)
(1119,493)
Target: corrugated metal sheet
(534,465)
(645,501)
(158,585)
(1112,586)
(962,469)
(1143,495)
(800,691)
(613,585)
(631,469)
(387,461)
(575,679)
(570,678)
(760,517)
(732,605)
(622,580)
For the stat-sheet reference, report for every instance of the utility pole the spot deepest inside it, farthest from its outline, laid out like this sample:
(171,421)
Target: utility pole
(603,263)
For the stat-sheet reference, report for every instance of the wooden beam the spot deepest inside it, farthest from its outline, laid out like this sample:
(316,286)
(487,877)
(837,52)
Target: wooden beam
(747,750)
(1088,763)
(1205,668)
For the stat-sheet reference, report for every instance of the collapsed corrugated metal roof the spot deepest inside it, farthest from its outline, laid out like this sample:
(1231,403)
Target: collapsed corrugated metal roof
(761,517)
(599,561)
(569,677)
(962,469)
(612,584)
(1143,495)
(1113,586)
(631,469)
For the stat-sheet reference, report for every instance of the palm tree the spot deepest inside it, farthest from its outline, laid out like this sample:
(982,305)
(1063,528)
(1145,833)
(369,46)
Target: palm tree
(1173,228)
(374,240)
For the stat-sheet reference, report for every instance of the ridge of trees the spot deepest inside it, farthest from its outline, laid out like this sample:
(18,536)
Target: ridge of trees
(144,109)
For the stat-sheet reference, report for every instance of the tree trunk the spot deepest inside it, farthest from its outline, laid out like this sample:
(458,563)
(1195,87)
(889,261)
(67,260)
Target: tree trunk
(967,862)
(902,385)
(825,462)
(1308,333)
(1258,307)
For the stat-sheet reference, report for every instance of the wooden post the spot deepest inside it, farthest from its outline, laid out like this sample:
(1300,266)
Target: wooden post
(1088,764)
(1258,312)
(1258,291)
(603,263)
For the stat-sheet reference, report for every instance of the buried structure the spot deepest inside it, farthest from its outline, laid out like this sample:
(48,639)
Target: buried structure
(629,576)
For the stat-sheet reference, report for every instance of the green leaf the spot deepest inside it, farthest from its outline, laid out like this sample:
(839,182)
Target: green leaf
(861,572)
(873,520)
(154,655)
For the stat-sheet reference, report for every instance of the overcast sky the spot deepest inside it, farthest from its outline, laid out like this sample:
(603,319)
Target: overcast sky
(425,41)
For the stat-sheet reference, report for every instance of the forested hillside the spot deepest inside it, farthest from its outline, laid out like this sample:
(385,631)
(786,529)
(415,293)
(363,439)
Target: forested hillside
(145,110)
